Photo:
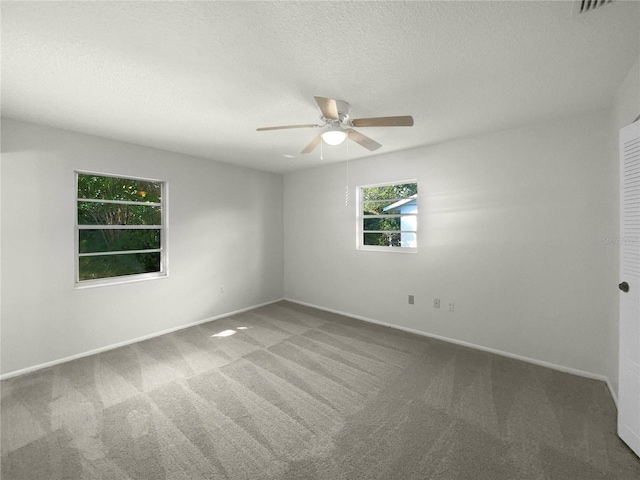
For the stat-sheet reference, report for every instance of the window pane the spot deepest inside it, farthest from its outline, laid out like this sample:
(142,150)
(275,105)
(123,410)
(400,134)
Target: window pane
(409,222)
(91,213)
(378,208)
(382,239)
(113,188)
(103,240)
(390,207)
(408,239)
(106,266)
(391,223)
(402,190)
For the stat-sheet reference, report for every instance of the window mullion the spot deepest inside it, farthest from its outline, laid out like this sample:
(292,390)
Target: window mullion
(119,252)
(119,202)
(384,200)
(394,215)
(119,227)
(389,231)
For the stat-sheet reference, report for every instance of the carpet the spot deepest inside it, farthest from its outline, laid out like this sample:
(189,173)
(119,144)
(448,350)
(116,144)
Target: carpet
(289,392)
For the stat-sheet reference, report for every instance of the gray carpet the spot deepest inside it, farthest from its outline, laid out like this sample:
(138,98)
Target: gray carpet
(297,393)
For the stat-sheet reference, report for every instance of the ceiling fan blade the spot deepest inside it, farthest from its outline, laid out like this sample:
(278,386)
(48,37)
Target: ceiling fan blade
(404,121)
(363,140)
(283,127)
(313,144)
(328,107)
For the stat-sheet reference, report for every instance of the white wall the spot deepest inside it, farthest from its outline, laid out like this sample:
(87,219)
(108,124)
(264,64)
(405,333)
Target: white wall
(225,228)
(626,108)
(510,229)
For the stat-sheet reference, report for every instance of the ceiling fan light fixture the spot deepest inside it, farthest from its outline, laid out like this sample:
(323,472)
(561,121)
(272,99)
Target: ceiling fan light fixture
(334,136)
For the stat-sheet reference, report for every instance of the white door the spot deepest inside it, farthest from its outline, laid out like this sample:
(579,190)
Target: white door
(629,386)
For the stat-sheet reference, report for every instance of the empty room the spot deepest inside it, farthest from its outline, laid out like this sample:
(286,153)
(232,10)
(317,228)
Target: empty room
(320,240)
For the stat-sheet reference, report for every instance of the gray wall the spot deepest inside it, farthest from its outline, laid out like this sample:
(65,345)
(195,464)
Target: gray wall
(225,228)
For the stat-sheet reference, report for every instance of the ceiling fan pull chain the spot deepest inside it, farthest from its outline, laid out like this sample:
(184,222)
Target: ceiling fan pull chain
(346,188)
(321,142)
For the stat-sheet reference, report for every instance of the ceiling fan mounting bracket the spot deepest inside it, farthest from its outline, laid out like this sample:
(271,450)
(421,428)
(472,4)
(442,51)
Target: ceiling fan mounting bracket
(343,109)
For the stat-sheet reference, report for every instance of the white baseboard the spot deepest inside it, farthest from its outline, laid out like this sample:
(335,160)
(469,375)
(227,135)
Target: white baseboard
(612,391)
(129,342)
(534,361)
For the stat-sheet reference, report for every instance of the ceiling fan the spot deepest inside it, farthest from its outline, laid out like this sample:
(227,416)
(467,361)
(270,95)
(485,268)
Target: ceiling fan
(337,125)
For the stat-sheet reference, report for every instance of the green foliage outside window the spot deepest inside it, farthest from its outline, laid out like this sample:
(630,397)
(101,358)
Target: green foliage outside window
(98,187)
(389,192)
(107,266)
(143,208)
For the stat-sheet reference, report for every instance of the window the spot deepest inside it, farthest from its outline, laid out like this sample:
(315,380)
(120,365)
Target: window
(388,217)
(120,229)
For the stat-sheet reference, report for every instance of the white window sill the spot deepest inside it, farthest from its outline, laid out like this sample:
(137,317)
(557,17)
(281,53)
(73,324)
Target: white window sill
(103,282)
(388,249)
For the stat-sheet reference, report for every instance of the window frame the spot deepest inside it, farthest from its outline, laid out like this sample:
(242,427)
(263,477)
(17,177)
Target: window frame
(163,229)
(360,218)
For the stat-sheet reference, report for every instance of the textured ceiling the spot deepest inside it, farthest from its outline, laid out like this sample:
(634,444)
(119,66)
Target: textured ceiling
(200,77)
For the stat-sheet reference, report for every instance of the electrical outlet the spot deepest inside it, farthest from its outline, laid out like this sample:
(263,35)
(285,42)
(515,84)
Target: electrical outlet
(221,288)
(450,306)
(411,300)
(436,303)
